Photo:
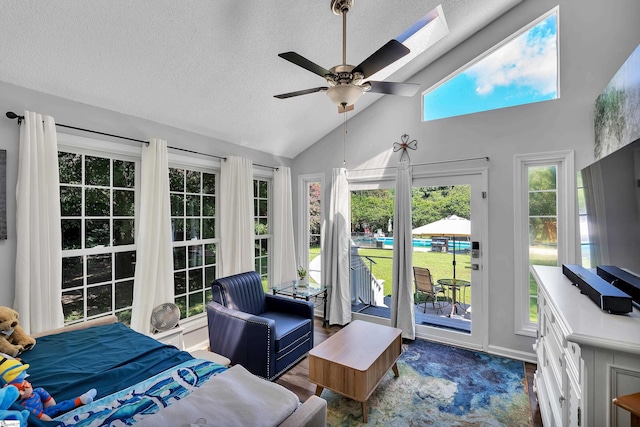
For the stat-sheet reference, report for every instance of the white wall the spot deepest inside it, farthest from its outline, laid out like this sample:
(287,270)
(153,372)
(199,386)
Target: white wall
(71,113)
(595,39)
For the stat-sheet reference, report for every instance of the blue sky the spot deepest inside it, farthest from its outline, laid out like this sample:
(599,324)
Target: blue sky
(522,71)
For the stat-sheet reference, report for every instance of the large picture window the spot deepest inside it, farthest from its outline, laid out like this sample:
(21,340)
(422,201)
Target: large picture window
(544,230)
(193,223)
(97,204)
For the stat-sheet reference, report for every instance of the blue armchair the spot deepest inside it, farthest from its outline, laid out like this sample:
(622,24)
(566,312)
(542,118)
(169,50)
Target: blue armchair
(267,334)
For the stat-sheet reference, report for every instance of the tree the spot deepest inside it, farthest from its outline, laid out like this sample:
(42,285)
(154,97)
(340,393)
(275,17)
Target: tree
(543,222)
(314,208)
(373,208)
(430,204)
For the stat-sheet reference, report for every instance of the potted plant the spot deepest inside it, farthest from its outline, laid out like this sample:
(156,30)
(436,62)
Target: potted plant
(302,275)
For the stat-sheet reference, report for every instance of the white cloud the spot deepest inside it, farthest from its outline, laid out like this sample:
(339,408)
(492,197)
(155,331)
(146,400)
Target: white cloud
(532,64)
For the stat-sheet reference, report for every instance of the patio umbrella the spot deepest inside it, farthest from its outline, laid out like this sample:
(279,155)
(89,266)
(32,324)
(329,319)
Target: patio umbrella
(450,226)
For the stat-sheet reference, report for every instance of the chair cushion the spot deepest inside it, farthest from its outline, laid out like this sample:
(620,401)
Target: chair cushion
(289,328)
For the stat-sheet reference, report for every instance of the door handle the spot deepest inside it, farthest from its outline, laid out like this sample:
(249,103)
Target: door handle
(473,266)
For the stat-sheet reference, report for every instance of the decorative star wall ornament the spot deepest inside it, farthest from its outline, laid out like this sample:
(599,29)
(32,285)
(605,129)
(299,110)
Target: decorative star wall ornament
(404,145)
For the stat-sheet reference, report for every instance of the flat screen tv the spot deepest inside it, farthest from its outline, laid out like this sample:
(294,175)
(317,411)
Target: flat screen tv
(609,189)
(609,207)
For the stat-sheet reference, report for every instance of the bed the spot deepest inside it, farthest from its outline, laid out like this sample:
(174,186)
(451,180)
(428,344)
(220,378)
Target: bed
(142,382)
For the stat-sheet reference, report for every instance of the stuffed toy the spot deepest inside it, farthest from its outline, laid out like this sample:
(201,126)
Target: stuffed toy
(37,400)
(13,339)
(8,395)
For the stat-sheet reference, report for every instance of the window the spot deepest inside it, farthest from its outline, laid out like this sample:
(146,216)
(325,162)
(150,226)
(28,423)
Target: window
(193,223)
(419,37)
(311,216)
(543,225)
(521,70)
(97,204)
(261,208)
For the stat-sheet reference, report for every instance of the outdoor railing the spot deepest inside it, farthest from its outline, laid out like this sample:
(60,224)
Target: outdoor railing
(365,288)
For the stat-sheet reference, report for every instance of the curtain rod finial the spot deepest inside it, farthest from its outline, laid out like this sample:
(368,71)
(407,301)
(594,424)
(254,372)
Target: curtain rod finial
(11,115)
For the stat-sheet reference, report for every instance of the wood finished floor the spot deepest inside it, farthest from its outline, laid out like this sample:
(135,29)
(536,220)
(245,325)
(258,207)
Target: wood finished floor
(297,378)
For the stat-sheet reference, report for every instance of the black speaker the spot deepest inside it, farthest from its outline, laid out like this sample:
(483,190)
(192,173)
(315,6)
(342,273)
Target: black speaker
(621,279)
(602,293)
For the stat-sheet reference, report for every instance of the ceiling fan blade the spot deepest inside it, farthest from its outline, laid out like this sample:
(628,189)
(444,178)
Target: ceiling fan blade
(341,109)
(393,88)
(387,54)
(301,92)
(303,62)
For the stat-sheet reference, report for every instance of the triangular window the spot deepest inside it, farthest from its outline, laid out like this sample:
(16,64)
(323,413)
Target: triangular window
(521,70)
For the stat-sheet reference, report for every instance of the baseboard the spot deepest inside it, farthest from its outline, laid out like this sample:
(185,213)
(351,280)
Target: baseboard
(512,354)
(492,349)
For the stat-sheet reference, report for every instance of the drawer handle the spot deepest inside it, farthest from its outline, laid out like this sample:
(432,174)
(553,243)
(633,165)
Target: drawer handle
(561,399)
(573,348)
(560,361)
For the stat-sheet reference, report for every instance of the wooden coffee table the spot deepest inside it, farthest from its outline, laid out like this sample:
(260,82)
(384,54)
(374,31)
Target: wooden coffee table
(353,361)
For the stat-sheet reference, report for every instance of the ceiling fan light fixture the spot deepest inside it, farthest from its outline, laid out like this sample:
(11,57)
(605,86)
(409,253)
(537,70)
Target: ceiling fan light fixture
(346,94)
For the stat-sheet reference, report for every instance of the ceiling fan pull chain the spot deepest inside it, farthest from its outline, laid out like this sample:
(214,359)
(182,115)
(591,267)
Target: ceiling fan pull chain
(344,139)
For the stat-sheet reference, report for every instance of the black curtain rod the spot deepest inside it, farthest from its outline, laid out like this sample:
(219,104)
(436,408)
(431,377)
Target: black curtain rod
(11,115)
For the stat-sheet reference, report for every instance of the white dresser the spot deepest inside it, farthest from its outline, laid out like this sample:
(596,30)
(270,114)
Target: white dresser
(586,356)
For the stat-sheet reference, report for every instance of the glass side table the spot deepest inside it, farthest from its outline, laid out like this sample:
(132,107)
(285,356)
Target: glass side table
(306,292)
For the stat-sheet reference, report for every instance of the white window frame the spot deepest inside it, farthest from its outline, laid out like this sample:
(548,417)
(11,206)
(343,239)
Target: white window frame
(199,164)
(566,213)
(303,216)
(266,175)
(474,61)
(114,151)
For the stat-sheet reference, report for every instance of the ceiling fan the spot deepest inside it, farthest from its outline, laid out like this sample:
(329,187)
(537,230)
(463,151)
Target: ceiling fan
(346,82)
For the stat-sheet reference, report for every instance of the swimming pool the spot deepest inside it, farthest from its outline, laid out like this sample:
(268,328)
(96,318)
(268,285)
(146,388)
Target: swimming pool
(426,243)
(417,243)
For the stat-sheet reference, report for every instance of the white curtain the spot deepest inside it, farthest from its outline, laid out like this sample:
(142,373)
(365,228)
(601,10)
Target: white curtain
(38,287)
(337,247)
(237,238)
(153,282)
(402,283)
(283,253)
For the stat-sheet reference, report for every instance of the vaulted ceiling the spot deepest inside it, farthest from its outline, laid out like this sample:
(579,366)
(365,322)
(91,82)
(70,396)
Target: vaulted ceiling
(212,66)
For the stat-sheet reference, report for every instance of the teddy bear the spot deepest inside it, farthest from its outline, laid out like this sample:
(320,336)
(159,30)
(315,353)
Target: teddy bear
(13,339)
(37,400)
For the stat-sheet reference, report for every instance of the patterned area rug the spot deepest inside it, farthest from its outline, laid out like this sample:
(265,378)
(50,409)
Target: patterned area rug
(441,386)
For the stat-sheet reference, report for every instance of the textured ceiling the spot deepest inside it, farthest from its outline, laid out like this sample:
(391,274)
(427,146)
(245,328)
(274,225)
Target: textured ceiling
(211,67)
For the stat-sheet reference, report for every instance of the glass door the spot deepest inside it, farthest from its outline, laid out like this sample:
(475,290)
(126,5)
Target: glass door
(448,233)
(447,218)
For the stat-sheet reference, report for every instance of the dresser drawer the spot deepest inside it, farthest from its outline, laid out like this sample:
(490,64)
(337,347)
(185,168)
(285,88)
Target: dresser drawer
(572,356)
(550,397)
(554,350)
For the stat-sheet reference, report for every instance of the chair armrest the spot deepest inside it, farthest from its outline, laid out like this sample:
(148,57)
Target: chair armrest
(313,413)
(282,304)
(244,338)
